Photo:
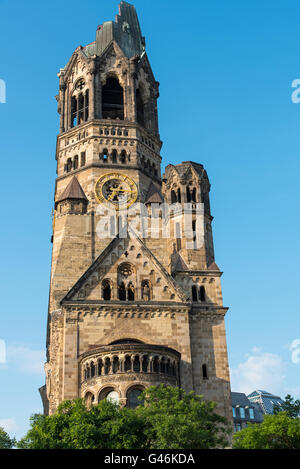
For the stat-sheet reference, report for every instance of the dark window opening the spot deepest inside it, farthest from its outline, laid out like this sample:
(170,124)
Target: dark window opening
(114,156)
(106,290)
(130,292)
(173,197)
(123,157)
(202,293)
(75,162)
(188,195)
(204,372)
(82,163)
(112,100)
(194,195)
(179,195)
(194,293)
(122,292)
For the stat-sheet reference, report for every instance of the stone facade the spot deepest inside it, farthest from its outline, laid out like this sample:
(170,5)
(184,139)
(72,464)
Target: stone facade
(127,311)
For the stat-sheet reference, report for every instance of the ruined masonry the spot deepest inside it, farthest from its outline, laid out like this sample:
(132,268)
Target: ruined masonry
(126,312)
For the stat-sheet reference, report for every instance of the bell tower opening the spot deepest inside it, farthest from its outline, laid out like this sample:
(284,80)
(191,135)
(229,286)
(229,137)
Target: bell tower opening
(112,100)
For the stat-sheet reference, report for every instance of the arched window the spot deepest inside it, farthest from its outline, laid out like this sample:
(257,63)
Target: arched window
(140,108)
(130,292)
(69,165)
(136,364)
(194,293)
(122,292)
(89,399)
(107,366)
(179,195)
(110,394)
(114,156)
(75,162)
(115,365)
(93,370)
(127,364)
(202,294)
(73,111)
(146,290)
(112,100)
(106,290)
(204,371)
(123,157)
(133,398)
(156,365)
(188,194)
(104,155)
(194,195)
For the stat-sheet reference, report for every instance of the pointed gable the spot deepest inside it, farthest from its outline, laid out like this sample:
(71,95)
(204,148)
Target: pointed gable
(154,195)
(72,191)
(180,265)
(120,251)
(213,266)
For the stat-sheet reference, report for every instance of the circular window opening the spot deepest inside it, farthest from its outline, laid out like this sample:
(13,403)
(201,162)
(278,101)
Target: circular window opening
(133,398)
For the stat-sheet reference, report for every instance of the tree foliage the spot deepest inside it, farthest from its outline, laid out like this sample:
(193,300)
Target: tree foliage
(5,441)
(179,420)
(170,419)
(290,406)
(275,432)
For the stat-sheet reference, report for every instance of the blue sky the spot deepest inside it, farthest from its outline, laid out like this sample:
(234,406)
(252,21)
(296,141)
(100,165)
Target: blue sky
(225,70)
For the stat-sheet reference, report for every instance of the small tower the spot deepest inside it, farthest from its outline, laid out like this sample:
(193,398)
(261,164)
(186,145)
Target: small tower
(127,311)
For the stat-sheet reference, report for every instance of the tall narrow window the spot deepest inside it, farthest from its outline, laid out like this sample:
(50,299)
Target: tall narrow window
(122,292)
(194,293)
(75,162)
(86,106)
(204,371)
(106,290)
(202,294)
(194,195)
(130,292)
(173,197)
(112,100)
(188,194)
(73,111)
(114,156)
(123,157)
(82,159)
(194,234)
(179,195)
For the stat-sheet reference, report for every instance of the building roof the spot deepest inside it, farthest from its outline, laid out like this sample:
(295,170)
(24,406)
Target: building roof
(180,265)
(183,167)
(154,195)
(239,399)
(72,191)
(125,31)
(265,400)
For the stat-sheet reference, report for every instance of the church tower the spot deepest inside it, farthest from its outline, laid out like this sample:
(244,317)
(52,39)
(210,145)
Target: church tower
(135,293)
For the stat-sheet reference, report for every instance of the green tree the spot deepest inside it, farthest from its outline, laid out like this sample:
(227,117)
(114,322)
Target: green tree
(290,406)
(170,419)
(5,441)
(74,426)
(179,420)
(275,432)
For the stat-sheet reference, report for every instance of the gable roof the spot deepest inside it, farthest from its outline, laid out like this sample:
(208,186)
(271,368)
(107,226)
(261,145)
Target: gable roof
(180,265)
(108,250)
(154,195)
(72,191)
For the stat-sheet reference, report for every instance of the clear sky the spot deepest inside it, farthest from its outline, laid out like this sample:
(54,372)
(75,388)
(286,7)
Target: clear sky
(225,70)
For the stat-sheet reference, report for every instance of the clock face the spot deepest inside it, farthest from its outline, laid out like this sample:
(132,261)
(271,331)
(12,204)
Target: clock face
(116,189)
